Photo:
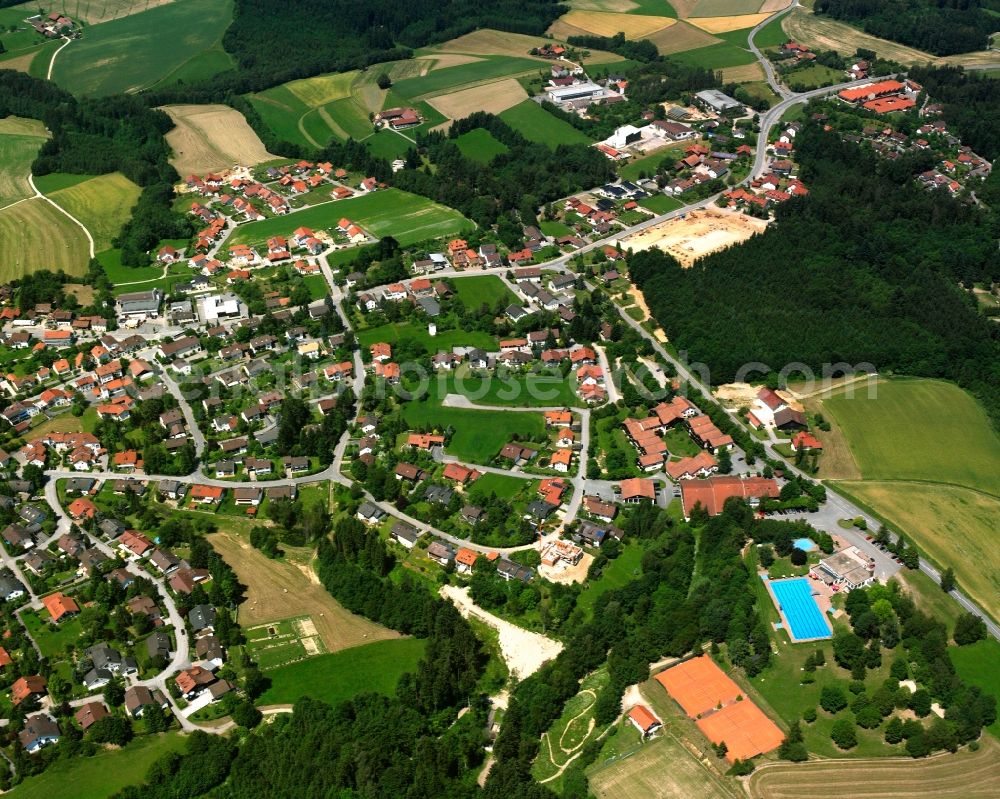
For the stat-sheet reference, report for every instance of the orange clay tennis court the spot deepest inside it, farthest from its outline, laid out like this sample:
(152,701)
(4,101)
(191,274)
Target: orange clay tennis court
(745,729)
(707,694)
(698,685)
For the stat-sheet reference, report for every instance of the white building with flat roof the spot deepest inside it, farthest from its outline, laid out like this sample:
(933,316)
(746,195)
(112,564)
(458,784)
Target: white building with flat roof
(578,91)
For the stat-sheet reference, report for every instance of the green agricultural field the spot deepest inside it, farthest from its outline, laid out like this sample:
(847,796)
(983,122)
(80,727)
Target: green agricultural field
(404,216)
(103,204)
(482,289)
(925,430)
(336,677)
(650,164)
(445,339)
(389,145)
(479,145)
(717,56)
(479,435)
(516,390)
(538,125)
(20,140)
(440,81)
(771,35)
(103,774)
(812,77)
(952,526)
(138,51)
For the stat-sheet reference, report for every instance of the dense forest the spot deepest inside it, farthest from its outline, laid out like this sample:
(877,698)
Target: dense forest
(517,182)
(93,137)
(942,27)
(867,269)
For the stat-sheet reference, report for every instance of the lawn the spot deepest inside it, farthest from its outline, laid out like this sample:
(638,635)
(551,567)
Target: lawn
(336,677)
(488,68)
(102,775)
(538,125)
(649,165)
(103,204)
(516,390)
(661,203)
(444,340)
(555,228)
(51,641)
(134,52)
(482,290)
(950,525)
(478,435)
(504,486)
(616,574)
(479,145)
(390,212)
(812,77)
(920,430)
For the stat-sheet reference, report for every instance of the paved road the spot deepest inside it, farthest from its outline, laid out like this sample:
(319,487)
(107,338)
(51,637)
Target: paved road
(777,86)
(196,435)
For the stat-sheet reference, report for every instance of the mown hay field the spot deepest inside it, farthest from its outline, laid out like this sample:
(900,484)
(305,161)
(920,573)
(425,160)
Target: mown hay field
(965,775)
(94,12)
(138,51)
(103,204)
(727,24)
(212,137)
(680,37)
(34,236)
(634,26)
(492,98)
(290,588)
(953,526)
(20,140)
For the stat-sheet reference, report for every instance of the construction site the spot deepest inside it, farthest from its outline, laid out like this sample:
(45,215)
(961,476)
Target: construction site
(697,234)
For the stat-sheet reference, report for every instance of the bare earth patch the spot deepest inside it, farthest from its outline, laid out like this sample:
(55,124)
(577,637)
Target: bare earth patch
(770,6)
(212,137)
(525,652)
(281,589)
(98,11)
(701,233)
(20,63)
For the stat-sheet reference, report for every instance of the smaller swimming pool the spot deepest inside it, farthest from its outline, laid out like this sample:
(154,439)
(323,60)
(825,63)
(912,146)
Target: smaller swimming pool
(805,544)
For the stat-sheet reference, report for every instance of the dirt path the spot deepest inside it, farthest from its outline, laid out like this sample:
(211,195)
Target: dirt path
(525,652)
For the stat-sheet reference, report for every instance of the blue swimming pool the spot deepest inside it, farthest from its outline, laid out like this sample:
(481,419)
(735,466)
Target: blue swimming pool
(805,544)
(795,600)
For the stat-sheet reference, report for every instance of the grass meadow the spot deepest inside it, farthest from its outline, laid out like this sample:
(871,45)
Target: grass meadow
(102,775)
(482,289)
(479,145)
(538,125)
(139,51)
(103,204)
(337,677)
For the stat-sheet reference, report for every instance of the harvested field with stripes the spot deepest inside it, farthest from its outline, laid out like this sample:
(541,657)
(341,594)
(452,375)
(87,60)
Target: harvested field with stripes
(727,24)
(634,26)
(492,98)
(680,37)
(212,137)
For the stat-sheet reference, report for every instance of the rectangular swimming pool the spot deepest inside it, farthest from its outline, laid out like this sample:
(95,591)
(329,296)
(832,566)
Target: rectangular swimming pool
(795,600)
